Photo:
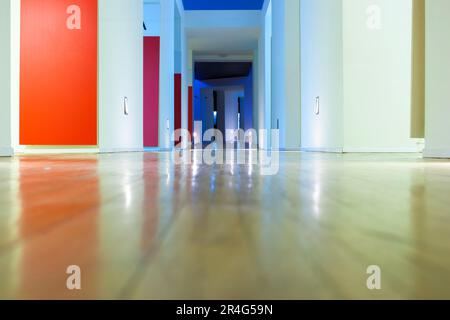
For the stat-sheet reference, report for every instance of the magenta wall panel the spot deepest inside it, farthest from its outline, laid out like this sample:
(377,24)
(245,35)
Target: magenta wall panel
(151,91)
(177,103)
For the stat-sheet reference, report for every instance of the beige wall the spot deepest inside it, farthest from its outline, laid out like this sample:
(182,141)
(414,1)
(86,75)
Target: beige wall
(377,76)
(437,77)
(418,71)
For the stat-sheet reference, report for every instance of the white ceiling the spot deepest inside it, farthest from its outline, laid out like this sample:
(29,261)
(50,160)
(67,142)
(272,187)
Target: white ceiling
(223,41)
(223,32)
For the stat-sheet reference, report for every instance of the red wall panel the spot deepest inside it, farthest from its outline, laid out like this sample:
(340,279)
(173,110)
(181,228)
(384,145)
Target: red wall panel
(151,91)
(177,102)
(190,110)
(58,72)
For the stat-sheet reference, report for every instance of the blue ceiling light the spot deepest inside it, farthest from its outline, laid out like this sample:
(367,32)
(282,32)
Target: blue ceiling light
(223,4)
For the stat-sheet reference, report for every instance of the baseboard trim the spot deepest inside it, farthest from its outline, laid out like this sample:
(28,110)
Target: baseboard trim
(6,152)
(323,150)
(120,150)
(288,149)
(157,149)
(436,153)
(383,150)
(37,151)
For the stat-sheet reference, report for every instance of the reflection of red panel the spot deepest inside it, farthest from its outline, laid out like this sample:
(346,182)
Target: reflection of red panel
(190,111)
(177,100)
(151,91)
(59,226)
(58,74)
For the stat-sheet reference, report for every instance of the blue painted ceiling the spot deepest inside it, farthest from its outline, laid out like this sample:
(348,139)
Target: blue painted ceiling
(223,4)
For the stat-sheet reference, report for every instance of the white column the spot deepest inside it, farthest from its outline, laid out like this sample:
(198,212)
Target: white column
(265,72)
(120,75)
(5,79)
(184,68)
(286,72)
(292,58)
(190,67)
(166,74)
(184,77)
(261,115)
(322,75)
(278,68)
(15,73)
(256,88)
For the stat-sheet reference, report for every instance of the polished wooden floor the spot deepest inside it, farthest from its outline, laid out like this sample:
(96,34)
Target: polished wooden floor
(142,227)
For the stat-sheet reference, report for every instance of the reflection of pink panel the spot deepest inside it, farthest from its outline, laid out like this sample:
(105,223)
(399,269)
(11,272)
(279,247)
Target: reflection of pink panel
(151,91)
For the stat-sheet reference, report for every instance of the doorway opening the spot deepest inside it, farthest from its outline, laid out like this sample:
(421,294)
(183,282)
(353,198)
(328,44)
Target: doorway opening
(223,100)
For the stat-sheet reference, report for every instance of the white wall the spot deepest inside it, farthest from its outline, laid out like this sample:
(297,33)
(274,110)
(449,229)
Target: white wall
(293,86)
(5,78)
(437,127)
(15,72)
(231,108)
(207,108)
(286,72)
(362,76)
(377,77)
(177,39)
(120,75)
(222,19)
(278,69)
(167,69)
(186,68)
(254,86)
(264,97)
(152,18)
(265,72)
(321,75)
(250,105)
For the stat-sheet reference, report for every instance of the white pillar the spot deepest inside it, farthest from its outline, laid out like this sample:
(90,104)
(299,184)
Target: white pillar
(292,54)
(120,75)
(15,73)
(184,78)
(190,67)
(256,88)
(5,79)
(184,68)
(286,72)
(265,74)
(166,74)
(261,115)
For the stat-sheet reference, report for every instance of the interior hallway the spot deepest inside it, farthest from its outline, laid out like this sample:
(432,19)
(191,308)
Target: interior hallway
(140,226)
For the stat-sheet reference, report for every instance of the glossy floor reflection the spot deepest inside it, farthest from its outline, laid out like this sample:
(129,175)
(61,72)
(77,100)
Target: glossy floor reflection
(141,226)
